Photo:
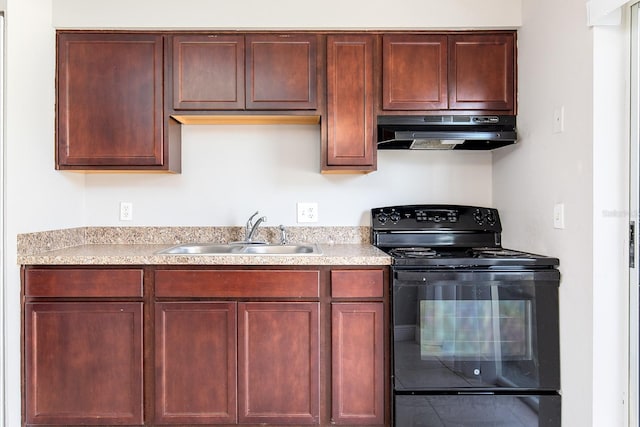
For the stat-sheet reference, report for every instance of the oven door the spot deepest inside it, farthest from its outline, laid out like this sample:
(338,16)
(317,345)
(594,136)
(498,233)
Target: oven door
(475,330)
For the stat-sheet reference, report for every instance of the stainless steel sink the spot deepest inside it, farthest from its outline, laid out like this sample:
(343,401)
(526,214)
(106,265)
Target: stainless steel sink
(242,249)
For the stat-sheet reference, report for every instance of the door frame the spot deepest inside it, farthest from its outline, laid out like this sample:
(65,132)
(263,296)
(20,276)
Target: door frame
(634,219)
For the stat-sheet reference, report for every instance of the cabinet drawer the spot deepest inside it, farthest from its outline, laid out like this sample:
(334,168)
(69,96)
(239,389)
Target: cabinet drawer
(83,283)
(357,283)
(237,283)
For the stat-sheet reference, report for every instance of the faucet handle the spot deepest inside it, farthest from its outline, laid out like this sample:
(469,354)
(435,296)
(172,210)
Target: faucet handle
(252,216)
(283,235)
(250,221)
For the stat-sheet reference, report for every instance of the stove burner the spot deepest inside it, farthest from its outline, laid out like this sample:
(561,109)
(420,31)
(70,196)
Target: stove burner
(414,252)
(498,253)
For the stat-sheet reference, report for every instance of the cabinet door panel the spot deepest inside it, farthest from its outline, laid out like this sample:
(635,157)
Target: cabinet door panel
(83,363)
(195,362)
(208,72)
(110,102)
(278,358)
(281,72)
(414,72)
(357,363)
(350,102)
(481,71)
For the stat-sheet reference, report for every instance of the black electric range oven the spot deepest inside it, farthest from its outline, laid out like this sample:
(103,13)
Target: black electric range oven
(475,325)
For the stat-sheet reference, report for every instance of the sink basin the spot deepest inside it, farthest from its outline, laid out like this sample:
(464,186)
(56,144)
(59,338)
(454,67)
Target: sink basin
(282,249)
(242,249)
(202,249)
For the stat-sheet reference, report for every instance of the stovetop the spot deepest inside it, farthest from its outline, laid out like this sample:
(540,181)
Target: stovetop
(447,236)
(467,257)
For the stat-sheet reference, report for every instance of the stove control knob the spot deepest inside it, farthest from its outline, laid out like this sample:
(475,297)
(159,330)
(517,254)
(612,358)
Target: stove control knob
(491,218)
(477,216)
(395,217)
(382,218)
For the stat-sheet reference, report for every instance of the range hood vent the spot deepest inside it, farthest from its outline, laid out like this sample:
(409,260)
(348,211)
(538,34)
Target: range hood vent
(445,132)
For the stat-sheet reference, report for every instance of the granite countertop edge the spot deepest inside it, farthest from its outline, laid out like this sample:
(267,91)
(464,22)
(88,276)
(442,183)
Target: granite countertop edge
(139,246)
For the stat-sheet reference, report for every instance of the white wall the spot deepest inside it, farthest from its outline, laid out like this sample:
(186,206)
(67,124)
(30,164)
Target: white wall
(286,14)
(229,172)
(562,62)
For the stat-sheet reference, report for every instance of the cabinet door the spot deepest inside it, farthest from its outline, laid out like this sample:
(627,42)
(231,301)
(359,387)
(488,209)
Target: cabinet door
(83,363)
(358,363)
(414,72)
(350,120)
(482,72)
(278,363)
(110,101)
(282,72)
(208,72)
(195,362)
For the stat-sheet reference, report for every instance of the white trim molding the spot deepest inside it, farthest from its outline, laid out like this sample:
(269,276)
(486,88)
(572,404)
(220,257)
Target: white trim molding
(605,12)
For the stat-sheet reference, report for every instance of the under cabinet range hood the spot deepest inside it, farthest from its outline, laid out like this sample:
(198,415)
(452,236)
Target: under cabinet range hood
(445,132)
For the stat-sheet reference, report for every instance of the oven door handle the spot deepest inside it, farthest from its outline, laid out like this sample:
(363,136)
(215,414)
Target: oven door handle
(476,276)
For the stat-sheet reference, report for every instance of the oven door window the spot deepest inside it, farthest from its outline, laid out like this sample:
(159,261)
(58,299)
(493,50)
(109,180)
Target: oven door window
(475,333)
(470,329)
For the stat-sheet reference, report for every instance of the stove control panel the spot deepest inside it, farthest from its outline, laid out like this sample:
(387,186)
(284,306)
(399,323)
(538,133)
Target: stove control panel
(428,215)
(433,217)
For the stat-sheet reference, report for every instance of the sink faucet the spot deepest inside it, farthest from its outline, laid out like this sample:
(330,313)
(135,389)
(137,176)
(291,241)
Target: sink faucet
(251,228)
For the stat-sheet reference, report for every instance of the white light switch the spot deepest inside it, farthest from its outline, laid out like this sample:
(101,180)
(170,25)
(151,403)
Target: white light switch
(558,215)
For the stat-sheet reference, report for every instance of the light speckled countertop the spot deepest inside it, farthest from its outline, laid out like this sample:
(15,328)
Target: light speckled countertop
(139,246)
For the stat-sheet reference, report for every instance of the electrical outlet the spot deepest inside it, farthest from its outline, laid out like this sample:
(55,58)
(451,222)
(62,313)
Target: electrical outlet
(126,211)
(307,212)
(558,215)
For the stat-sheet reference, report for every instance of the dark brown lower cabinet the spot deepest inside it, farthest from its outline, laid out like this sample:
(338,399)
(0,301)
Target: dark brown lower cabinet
(191,346)
(83,363)
(278,358)
(357,363)
(277,373)
(195,362)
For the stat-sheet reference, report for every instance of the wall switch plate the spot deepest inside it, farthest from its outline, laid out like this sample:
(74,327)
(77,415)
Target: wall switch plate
(126,211)
(558,119)
(307,212)
(558,215)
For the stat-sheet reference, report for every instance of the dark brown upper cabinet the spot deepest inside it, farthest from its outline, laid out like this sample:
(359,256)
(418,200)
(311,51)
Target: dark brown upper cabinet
(482,72)
(414,72)
(245,72)
(282,72)
(208,72)
(472,72)
(349,142)
(110,103)
(122,96)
